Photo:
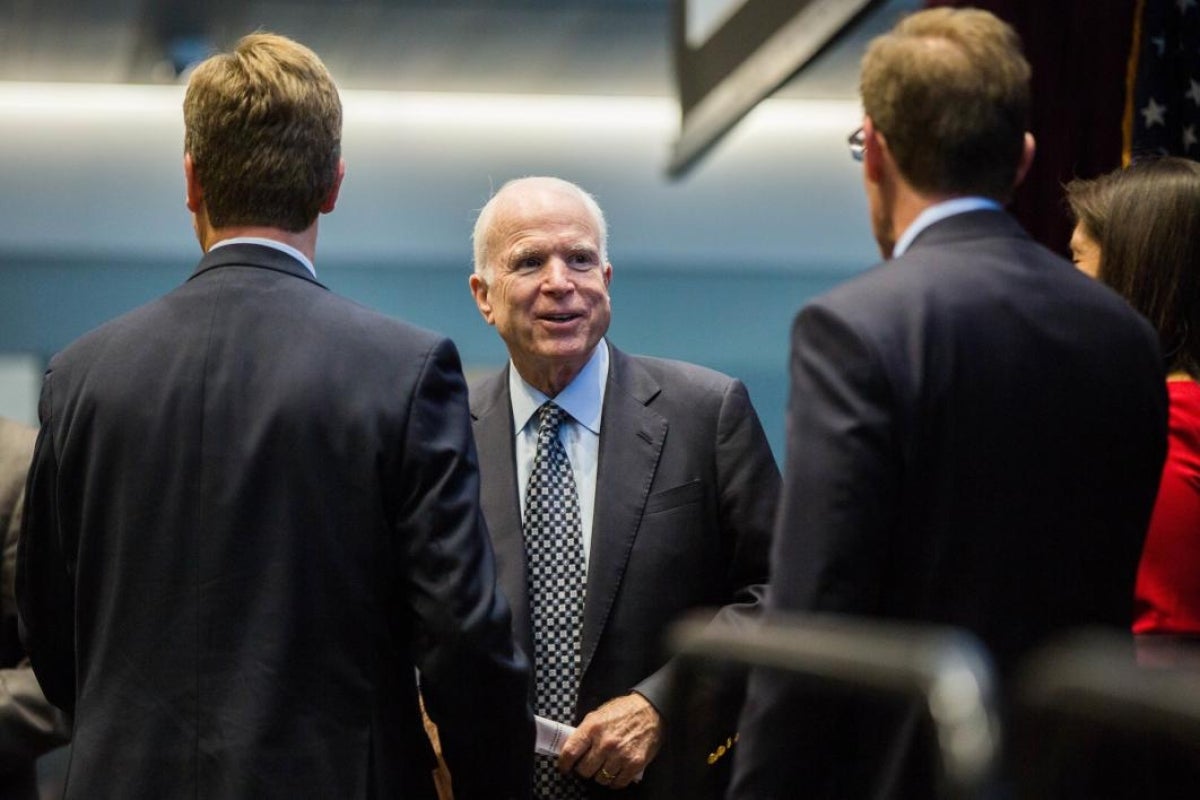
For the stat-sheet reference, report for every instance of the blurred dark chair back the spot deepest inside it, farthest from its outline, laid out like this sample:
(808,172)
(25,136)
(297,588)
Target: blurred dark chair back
(1100,715)
(946,671)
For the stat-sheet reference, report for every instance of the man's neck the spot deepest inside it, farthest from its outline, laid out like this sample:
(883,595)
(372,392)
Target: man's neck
(909,205)
(548,376)
(548,379)
(305,241)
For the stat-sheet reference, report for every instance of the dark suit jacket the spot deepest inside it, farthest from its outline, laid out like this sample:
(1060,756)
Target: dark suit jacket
(974,439)
(685,492)
(253,510)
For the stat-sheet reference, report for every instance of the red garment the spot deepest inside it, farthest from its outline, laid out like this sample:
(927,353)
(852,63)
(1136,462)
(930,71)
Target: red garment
(1167,597)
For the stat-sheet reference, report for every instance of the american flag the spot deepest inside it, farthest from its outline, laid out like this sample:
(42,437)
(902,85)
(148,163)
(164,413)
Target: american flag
(1162,113)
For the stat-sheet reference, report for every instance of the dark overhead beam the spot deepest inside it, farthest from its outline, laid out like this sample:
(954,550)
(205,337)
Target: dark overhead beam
(175,35)
(759,48)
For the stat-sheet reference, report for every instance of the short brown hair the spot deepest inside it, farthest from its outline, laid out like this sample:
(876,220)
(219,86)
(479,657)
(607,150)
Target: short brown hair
(1146,220)
(263,127)
(949,90)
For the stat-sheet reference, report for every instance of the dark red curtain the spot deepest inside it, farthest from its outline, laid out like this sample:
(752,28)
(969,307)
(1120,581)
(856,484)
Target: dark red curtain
(1079,51)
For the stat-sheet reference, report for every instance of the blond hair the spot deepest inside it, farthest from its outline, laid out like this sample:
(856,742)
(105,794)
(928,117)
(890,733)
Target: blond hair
(949,90)
(263,126)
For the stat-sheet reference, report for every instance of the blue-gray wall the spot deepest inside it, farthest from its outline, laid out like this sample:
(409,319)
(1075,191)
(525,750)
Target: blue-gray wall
(710,269)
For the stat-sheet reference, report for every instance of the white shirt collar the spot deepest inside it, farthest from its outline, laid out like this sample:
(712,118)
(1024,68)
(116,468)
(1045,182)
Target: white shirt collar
(286,248)
(583,397)
(938,212)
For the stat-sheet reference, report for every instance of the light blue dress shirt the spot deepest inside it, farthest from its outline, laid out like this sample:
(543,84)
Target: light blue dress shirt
(583,400)
(286,248)
(938,212)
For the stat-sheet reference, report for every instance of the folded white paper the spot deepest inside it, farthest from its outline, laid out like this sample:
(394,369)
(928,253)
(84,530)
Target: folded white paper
(551,736)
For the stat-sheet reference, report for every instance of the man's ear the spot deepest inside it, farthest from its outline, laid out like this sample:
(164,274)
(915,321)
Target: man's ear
(479,289)
(331,199)
(875,151)
(195,193)
(1027,152)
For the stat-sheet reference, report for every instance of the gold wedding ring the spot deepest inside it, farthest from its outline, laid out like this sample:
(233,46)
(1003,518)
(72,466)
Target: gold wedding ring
(605,775)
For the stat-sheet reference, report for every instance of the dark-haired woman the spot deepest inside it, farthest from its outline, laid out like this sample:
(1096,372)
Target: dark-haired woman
(1138,230)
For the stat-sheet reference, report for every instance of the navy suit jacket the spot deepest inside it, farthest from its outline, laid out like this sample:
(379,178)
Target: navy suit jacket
(253,509)
(975,433)
(685,493)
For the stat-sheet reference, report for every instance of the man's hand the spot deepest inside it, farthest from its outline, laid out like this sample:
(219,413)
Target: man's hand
(615,742)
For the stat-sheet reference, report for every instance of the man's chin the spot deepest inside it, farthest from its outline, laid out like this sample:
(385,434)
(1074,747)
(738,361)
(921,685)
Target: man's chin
(565,352)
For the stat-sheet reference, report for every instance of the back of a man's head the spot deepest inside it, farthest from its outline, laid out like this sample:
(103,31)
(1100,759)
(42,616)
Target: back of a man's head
(949,91)
(263,127)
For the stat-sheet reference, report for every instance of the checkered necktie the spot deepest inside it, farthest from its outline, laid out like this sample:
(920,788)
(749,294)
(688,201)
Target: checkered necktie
(554,546)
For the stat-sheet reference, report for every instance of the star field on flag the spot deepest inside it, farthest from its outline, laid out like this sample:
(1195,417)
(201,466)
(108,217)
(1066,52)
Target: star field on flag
(1163,115)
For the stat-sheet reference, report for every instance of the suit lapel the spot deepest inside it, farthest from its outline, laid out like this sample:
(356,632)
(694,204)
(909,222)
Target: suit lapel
(491,414)
(631,442)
